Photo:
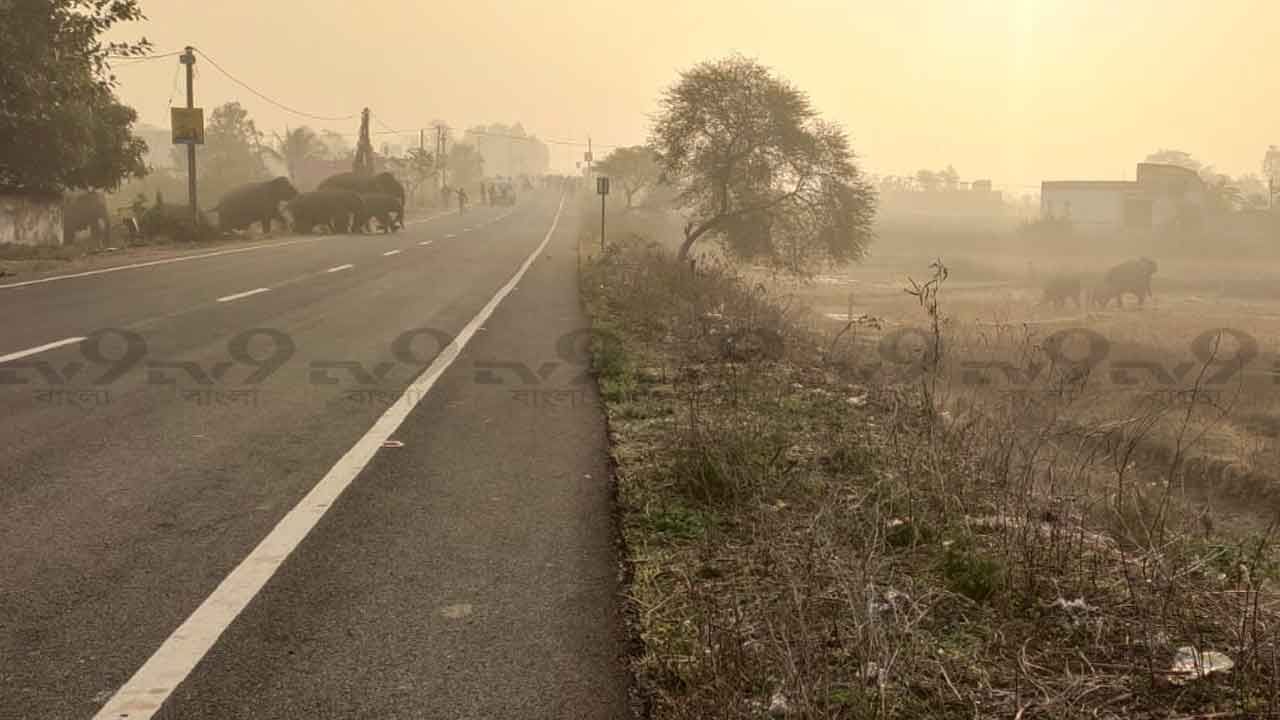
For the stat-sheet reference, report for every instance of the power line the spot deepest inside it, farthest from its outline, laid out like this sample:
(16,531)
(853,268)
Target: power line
(278,104)
(144,58)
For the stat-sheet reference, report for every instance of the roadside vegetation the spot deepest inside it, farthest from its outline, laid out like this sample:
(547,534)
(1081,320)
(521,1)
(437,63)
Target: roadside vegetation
(819,525)
(809,536)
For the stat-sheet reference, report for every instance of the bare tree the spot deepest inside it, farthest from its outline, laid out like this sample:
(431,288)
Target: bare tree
(756,168)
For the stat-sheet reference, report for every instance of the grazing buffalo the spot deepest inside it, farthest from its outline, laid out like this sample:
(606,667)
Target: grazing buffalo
(339,210)
(1061,288)
(383,182)
(86,211)
(386,209)
(254,202)
(1132,277)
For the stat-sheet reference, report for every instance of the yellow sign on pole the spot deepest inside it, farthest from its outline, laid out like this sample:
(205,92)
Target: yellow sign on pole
(188,125)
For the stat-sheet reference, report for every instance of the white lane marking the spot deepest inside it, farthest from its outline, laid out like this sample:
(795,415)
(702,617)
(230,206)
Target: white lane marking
(389,253)
(36,350)
(248,293)
(425,243)
(340,268)
(450,236)
(430,217)
(166,261)
(141,697)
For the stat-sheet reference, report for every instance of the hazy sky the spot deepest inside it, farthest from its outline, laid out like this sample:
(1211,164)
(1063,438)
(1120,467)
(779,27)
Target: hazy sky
(1014,90)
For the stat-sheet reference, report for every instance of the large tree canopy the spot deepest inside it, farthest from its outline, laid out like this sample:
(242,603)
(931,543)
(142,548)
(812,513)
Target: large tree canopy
(233,152)
(635,168)
(61,126)
(757,168)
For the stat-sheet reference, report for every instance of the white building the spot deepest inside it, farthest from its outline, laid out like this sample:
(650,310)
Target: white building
(1161,197)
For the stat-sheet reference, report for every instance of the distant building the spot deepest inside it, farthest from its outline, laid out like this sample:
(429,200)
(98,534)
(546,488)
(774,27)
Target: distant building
(1163,196)
(977,201)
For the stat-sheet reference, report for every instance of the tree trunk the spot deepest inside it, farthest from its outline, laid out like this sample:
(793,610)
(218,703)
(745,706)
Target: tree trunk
(687,245)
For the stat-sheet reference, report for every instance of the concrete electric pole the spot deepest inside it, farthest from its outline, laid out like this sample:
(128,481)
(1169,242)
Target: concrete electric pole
(189,59)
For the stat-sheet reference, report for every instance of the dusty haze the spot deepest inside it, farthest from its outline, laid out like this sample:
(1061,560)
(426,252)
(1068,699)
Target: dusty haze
(1019,91)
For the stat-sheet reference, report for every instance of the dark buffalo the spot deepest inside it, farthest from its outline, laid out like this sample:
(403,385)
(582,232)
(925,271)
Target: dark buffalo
(386,209)
(86,211)
(383,182)
(254,202)
(1132,277)
(1061,288)
(339,210)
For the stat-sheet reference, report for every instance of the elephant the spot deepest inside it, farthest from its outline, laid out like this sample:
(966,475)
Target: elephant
(86,210)
(383,182)
(340,210)
(246,204)
(1061,288)
(1132,277)
(387,209)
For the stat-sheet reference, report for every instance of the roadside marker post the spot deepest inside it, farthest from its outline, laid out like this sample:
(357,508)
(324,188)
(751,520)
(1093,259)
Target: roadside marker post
(602,188)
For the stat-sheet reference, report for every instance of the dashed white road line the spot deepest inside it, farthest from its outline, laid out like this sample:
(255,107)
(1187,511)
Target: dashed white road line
(141,697)
(425,243)
(340,268)
(248,293)
(450,236)
(154,263)
(389,253)
(37,350)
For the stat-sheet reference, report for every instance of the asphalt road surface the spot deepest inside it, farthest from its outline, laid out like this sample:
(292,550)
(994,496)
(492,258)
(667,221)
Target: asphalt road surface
(330,477)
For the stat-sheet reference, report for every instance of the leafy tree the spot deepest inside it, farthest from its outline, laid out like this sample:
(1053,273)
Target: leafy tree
(336,146)
(928,180)
(1222,194)
(297,147)
(1166,156)
(758,170)
(61,125)
(1271,170)
(949,178)
(414,170)
(466,166)
(635,168)
(233,152)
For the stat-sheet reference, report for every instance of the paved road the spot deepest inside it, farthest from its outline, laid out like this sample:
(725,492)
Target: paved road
(181,541)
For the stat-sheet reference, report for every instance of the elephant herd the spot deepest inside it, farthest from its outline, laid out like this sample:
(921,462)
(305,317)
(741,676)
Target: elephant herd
(343,203)
(1128,278)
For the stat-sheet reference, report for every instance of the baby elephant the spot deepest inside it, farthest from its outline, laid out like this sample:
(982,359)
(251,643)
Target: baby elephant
(1061,288)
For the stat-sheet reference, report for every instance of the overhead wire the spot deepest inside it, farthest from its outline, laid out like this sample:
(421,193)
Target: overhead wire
(263,96)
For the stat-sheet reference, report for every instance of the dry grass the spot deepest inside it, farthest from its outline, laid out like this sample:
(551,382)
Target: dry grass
(808,535)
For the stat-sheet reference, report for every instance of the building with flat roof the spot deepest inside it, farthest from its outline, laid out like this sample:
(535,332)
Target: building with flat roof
(1162,196)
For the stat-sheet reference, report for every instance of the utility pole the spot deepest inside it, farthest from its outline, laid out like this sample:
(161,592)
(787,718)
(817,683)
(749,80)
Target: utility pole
(189,59)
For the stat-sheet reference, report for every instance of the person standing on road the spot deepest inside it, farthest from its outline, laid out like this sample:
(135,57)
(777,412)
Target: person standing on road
(462,200)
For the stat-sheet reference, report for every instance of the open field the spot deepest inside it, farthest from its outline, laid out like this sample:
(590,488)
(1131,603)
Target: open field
(818,527)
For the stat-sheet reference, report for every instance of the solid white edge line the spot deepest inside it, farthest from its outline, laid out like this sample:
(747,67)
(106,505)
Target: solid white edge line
(340,268)
(247,293)
(389,253)
(36,350)
(141,697)
(166,261)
